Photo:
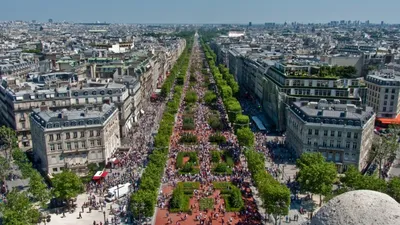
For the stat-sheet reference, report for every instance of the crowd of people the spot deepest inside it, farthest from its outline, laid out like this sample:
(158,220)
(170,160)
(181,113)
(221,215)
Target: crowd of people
(240,175)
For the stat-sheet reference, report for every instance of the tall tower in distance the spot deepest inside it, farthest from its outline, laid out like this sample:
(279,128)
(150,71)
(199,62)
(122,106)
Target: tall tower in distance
(249,24)
(50,20)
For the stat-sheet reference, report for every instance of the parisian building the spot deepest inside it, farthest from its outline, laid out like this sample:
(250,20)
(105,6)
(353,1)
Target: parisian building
(73,139)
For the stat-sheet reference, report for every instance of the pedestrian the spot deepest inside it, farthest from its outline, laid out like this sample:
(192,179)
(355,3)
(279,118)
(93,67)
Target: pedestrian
(80,215)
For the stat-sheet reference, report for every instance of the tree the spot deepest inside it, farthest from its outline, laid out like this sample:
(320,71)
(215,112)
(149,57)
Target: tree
(210,98)
(4,168)
(385,147)
(245,137)
(393,188)
(143,202)
(18,210)
(307,159)
(8,138)
(276,200)
(66,185)
(38,188)
(317,177)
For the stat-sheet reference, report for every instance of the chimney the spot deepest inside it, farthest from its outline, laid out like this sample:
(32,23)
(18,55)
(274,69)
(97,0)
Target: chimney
(44,108)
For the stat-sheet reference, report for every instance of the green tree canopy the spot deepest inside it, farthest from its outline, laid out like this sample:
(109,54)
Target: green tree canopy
(4,167)
(393,188)
(9,139)
(66,185)
(18,210)
(38,188)
(315,176)
(307,159)
(245,137)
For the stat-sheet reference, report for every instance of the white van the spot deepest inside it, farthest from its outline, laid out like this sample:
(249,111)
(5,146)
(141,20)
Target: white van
(117,192)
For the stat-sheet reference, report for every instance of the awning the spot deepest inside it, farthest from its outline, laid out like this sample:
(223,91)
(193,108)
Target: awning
(258,122)
(99,175)
(114,160)
(388,121)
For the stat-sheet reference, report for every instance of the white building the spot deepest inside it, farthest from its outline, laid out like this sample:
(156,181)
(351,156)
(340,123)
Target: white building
(383,93)
(73,139)
(343,133)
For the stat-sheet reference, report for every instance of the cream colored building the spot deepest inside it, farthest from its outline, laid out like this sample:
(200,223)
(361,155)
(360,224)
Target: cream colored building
(74,138)
(383,93)
(343,133)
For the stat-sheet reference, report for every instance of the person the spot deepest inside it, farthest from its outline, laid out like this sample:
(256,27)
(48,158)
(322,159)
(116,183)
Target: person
(80,215)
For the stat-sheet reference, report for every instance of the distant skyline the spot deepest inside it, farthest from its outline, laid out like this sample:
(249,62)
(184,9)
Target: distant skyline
(204,11)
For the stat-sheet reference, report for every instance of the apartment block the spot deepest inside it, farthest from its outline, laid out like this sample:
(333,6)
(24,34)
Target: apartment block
(72,139)
(343,133)
(383,94)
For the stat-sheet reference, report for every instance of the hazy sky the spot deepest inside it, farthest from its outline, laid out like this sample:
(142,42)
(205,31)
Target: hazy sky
(202,11)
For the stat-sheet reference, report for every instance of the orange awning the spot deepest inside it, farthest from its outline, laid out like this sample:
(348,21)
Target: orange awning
(389,120)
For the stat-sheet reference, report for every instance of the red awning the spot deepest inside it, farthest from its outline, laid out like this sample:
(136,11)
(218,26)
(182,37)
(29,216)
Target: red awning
(99,175)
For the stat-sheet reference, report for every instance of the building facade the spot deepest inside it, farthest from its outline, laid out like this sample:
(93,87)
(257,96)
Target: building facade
(383,94)
(74,138)
(18,101)
(343,133)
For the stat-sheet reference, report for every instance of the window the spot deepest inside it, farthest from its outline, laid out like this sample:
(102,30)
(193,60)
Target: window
(82,134)
(119,99)
(91,143)
(354,145)
(58,136)
(309,131)
(338,144)
(332,133)
(55,169)
(386,90)
(392,97)
(309,141)
(51,137)
(83,144)
(325,133)
(355,135)
(67,135)
(91,133)
(384,109)
(315,143)
(347,145)
(393,91)
(23,125)
(324,143)
(75,134)
(98,142)
(77,101)
(59,146)
(337,157)
(346,156)
(98,133)
(331,143)
(391,103)
(348,134)
(76,146)
(384,102)
(69,145)
(86,101)
(316,132)
(386,97)
(339,133)
(330,155)
(52,147)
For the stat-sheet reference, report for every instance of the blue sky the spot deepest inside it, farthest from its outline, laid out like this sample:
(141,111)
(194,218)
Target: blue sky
(202,11)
